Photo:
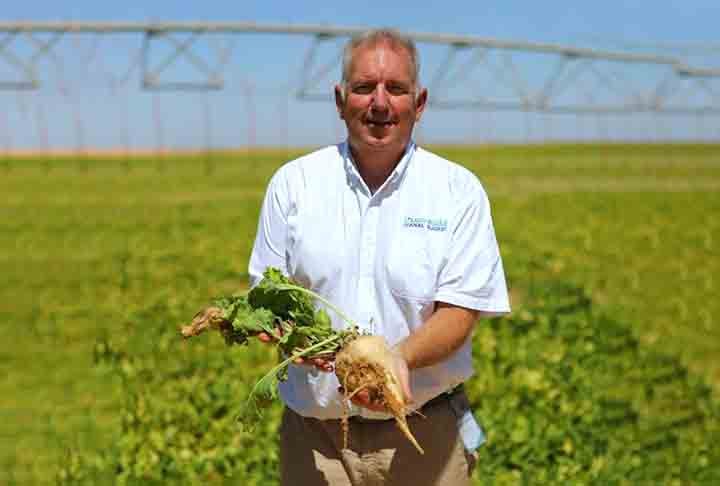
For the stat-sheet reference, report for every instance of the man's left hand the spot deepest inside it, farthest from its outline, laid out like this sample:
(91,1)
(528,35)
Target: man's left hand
(364,398)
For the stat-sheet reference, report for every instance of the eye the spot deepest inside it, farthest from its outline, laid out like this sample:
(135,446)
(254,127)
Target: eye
(397,89)
(363,88)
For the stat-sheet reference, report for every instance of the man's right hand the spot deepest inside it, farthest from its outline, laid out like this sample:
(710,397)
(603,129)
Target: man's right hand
(319,363)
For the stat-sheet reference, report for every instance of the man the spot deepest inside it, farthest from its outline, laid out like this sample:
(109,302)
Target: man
(403,241)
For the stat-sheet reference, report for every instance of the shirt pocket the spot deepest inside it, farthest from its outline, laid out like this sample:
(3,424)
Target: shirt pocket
(411,274)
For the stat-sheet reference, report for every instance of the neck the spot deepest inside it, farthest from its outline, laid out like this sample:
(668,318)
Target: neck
(375,167)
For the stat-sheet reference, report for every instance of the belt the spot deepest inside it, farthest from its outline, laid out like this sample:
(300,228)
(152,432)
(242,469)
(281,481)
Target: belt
(439,399)
(443,397)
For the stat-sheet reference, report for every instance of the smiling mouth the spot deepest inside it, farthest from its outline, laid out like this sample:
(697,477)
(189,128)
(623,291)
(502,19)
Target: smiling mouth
(380,124)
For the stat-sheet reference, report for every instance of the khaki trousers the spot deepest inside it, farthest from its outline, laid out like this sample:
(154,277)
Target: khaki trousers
(378,453)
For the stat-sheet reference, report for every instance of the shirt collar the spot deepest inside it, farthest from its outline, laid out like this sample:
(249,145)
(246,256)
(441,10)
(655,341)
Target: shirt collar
(394,177)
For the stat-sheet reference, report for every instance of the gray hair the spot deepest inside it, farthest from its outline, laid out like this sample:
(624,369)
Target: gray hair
(374,37)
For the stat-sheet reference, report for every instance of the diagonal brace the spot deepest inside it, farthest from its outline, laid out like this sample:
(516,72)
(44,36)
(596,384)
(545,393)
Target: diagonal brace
(26,67)
(151,75)
(311,75)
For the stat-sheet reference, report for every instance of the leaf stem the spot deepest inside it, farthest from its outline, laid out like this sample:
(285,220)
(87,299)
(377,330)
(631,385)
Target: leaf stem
(305,351)
(321,299)
(289,360)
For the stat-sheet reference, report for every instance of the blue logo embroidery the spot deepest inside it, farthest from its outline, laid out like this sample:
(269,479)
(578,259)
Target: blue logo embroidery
(432,224)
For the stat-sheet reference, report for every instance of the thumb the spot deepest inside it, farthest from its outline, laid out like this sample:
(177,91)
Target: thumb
(403,374)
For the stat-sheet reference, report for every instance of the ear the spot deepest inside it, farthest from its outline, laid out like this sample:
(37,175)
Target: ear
(420,103)
(339,101)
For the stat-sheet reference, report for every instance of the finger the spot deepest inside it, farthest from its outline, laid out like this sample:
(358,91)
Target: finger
(368,404)
(404,379)
(363,396)
(407,393)
(265,337)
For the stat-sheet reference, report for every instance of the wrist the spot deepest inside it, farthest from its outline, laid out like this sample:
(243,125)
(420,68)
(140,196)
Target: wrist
(402,350)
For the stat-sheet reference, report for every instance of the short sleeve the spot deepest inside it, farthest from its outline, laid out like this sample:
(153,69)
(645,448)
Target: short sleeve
(472,275)
(270,244)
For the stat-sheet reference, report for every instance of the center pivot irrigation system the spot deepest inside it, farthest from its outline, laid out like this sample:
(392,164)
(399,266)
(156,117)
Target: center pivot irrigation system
(471,73)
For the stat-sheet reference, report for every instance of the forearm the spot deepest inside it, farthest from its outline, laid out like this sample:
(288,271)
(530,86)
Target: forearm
(439,337)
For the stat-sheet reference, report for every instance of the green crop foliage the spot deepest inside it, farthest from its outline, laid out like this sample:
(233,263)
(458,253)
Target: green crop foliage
(598,377)
(567,395)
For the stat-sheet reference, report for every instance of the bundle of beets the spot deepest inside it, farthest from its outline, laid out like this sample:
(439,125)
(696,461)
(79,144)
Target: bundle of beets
(286,312)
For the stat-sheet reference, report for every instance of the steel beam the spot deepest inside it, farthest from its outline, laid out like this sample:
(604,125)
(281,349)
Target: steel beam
(321,30)
(570,62)
(575,109)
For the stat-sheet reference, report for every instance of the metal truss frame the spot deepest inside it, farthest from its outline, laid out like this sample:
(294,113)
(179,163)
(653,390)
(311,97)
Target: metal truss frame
(26,67)
(569,63)
(152,74)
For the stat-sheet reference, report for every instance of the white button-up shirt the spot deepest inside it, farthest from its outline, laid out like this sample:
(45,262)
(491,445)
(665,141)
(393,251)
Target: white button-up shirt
(425,235)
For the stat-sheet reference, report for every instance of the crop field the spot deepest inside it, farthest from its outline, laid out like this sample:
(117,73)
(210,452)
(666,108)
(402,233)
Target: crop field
(607,372)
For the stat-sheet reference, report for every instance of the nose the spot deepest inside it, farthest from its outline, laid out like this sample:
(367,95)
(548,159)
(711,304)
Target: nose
(379,99)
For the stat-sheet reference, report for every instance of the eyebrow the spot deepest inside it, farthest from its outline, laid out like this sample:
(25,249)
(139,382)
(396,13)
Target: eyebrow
(363,80)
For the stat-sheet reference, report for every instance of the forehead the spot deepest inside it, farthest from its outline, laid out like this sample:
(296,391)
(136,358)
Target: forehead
(381,59)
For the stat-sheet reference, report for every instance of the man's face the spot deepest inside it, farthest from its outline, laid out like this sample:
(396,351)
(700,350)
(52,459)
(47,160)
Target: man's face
(381,105)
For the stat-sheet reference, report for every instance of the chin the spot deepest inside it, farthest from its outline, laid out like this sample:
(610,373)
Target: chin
(381,144)
(387,141)
(378,144)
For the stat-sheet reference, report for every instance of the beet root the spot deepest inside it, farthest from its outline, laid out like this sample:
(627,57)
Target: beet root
(368,363)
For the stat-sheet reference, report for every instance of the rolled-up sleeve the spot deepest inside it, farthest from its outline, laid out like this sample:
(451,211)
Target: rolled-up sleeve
(472,275)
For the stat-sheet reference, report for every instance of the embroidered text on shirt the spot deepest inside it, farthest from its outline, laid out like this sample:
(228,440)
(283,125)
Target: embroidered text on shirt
(428,223)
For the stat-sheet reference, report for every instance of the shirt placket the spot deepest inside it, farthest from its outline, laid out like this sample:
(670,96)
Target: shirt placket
(368,248)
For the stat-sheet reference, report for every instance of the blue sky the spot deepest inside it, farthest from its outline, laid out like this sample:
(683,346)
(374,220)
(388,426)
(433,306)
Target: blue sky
(76,107)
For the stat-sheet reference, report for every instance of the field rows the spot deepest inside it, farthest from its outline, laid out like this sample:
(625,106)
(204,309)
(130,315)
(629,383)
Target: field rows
(86,250)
